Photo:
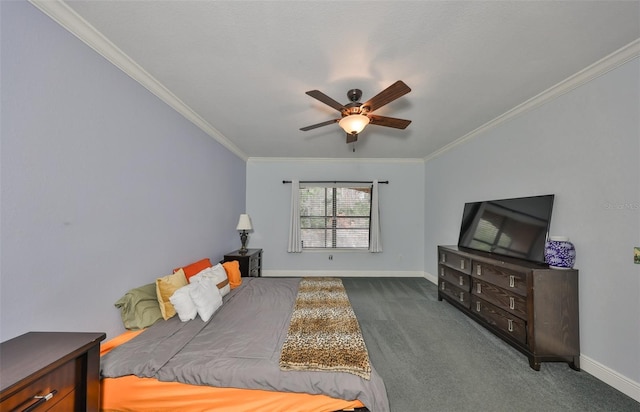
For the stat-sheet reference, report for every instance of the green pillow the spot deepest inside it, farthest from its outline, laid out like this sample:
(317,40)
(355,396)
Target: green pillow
(139,307)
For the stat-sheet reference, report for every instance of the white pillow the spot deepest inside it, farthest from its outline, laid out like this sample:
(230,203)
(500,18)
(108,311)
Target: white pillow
(206,296)
(183,304)
(219,276)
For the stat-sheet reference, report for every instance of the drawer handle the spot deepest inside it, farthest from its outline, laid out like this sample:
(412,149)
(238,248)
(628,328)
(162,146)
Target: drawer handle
(479,270)
(442,272)
(477,306)
(510,323)
(443,257)
(479,288)
(442,286)
(462,264)
(512,302)
(40,399)
(461,281)
(461,296)
(512,281)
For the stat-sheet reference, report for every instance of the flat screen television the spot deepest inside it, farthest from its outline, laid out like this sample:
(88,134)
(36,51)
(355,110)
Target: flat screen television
(515,228)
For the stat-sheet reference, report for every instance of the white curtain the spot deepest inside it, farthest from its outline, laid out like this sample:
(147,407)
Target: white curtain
(375,243)
(295,242)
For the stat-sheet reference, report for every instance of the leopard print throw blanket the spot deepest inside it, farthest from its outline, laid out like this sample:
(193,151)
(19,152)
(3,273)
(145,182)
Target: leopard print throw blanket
(324,334)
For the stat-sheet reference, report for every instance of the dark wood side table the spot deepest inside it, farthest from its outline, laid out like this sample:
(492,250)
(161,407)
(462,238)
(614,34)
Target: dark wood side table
(51,371)
(250,262)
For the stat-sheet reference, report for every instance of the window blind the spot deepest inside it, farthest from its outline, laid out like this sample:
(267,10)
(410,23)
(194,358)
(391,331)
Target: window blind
(335,215)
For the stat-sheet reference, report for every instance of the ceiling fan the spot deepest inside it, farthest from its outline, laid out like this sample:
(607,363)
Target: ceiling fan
(356,115)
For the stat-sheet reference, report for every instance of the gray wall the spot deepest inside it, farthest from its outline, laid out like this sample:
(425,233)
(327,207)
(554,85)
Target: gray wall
(104,187)
(583,147)
(401,211)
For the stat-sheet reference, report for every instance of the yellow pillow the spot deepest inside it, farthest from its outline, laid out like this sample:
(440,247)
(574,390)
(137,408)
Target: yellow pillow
(165,286)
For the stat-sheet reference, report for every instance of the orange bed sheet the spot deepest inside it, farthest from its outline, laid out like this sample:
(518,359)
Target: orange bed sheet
(130,393)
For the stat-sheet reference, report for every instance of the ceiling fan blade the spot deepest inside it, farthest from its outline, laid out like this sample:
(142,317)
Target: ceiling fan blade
(315,126)
(352,137)
(389,121)
(317,94)
(391,93)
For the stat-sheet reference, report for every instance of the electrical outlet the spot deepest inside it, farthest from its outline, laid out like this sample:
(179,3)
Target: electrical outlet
(636,255)
(330,257)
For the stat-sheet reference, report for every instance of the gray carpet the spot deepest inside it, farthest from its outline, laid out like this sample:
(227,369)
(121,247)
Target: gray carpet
(434,358)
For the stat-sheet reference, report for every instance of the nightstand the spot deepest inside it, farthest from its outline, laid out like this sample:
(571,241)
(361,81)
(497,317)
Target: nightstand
(55,370)
(250,262)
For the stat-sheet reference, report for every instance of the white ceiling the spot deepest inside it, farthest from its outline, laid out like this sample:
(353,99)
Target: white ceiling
(240,69)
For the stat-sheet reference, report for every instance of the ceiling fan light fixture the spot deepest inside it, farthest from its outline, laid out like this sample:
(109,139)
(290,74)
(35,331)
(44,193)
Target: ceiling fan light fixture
(354,123)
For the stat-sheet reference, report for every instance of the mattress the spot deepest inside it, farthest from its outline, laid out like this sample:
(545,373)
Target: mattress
(133,393)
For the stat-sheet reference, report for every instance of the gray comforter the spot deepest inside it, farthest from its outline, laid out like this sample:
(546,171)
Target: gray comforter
(239,347)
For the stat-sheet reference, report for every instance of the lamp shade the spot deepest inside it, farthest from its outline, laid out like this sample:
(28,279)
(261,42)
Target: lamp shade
(244,223)
(354,123)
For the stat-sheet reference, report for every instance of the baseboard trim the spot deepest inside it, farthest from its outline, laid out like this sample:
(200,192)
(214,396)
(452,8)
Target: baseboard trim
(343,273)
(352,273)
(610,377)
(431,278)
(596,369)
(588,365)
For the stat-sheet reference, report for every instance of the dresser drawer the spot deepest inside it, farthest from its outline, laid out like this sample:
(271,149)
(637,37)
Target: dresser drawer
(503,299)
(509,280)
(62,380)
(255,264)
(454,261)
(255,260)
(66,404)
(461,296)
(462,280)
(501,319)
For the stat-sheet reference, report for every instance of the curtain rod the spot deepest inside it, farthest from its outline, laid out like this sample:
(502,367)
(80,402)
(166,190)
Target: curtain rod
(385,182)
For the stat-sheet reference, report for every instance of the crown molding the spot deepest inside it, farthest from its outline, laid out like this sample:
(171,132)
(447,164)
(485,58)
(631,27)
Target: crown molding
(62,14)
(597,69)
(332,160)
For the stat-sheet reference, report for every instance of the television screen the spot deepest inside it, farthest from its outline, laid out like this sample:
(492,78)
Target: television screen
(510,227)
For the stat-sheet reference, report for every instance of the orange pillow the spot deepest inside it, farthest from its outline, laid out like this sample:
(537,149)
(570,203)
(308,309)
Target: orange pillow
(194,268)
(233,273)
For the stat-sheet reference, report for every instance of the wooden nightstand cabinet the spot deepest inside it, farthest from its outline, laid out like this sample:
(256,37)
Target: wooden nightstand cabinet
(51,371)
(250,262)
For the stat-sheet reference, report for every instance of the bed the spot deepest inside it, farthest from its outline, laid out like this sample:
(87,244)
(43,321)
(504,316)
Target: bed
(232,362)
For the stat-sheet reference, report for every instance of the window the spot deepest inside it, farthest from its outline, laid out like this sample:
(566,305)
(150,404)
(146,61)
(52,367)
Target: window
(335,216)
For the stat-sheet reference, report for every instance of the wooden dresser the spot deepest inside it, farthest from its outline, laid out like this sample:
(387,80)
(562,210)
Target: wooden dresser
(51,371)
(528,305)
(250,262)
